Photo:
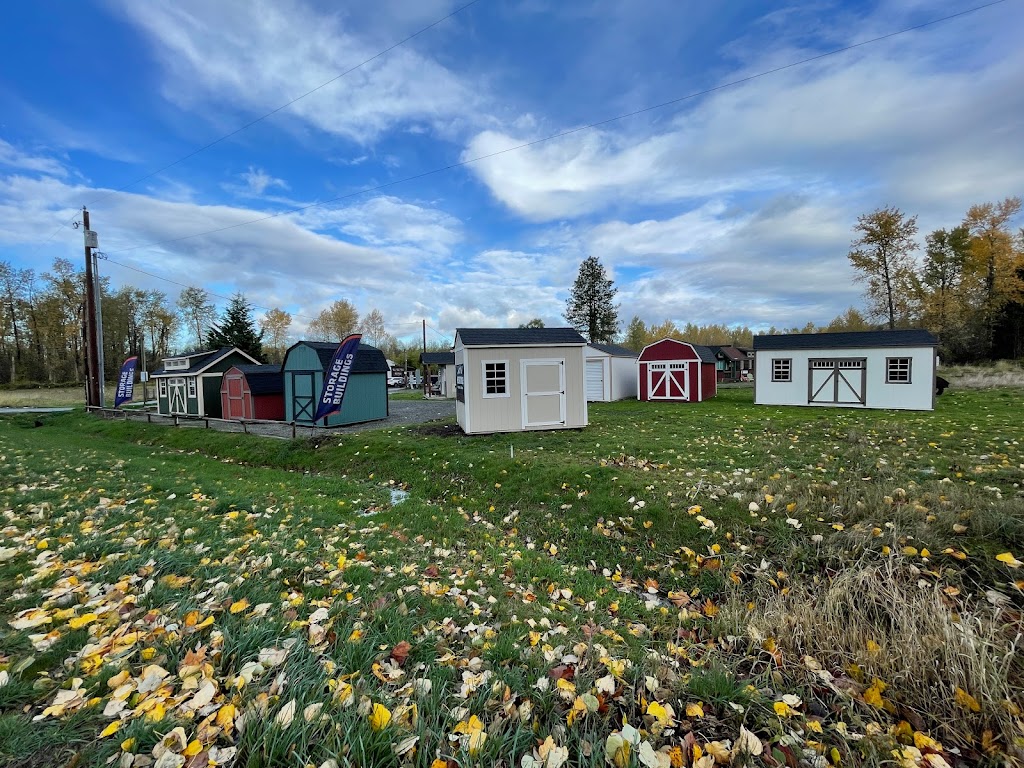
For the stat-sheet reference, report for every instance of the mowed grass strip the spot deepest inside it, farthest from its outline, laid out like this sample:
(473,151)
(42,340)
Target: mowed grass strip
(726,579)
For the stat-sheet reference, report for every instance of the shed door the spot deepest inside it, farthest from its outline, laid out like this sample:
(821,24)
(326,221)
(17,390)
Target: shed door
(668,381)
(595,379)
(303,402)
(543,383)
(176,395)
(236,399)
(836,382)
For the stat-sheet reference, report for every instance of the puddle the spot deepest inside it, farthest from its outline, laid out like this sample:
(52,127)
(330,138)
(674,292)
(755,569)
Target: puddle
(398,496)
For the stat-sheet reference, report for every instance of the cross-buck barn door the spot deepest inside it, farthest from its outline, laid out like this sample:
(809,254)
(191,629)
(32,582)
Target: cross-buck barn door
(543,383)
(176,395)
(303,406)
(837,382)
(595,379)
(668,381)
(236,400)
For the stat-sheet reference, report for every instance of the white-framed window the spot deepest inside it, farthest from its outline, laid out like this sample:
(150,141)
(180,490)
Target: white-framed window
(897,370)
(192,386)
(175,363)
(782,369)
(495,378)
(163,387)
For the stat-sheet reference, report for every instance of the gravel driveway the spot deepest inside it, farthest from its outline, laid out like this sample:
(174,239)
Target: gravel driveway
(402,412)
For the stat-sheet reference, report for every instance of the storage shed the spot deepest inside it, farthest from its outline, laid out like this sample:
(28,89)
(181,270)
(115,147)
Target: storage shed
(856,369)
(611,373)
(366,394)
(253,392)
(517,379)
(676,370)
(444,364)
(189,385)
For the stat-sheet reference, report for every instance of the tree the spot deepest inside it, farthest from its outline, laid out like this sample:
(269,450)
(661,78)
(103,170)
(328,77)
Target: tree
(335,322)
(994,264)
(373,329)
(850,320)
(636,335)
(534,323)
(589,308)
(943,303)
(237,329)
(882,257)
(275,325)
(197,312)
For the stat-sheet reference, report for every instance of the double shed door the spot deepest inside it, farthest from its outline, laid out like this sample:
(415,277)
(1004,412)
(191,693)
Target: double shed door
(668,381)
(176,400)
(837,381)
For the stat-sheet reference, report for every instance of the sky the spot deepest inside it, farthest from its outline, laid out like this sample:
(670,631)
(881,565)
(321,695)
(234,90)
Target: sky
(734,204)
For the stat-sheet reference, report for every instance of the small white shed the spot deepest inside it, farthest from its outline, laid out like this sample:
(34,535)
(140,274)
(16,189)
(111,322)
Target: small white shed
(516,379)
(862,369)
(611,373)
(444,364)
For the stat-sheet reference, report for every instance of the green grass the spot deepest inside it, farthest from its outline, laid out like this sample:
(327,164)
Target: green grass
(629,549)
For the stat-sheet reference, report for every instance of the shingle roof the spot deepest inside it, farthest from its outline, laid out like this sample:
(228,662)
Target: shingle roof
(705,354)
(916,337)
(263,379)
(368,359)
(199,361)
(525,337)
(614,350)
(730,352)
(437,358)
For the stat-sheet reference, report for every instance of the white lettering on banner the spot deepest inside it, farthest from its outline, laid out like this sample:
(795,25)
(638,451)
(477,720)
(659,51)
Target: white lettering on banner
(338,379)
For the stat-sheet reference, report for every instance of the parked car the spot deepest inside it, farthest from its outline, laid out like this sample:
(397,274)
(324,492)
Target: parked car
(396,381)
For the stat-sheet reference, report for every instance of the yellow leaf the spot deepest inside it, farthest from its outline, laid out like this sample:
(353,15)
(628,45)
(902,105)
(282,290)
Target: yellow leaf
(157,713)
(1009,559)
(380,716)
(910,551)
(695,710)
(873,695)
(782,709)
(110,730)
(874,647)
(239,605)
(194,748)
(82,621)
(476,742)
(128,745)
(226,717)
(965,700)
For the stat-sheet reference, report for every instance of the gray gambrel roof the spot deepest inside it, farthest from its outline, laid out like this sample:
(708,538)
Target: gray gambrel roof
(614,350)
(369,359)
(916,337)
(437,358)
(263,379)
(199,361)
(519,337)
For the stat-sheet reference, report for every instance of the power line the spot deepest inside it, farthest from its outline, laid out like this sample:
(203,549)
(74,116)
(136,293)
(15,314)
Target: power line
(571,131)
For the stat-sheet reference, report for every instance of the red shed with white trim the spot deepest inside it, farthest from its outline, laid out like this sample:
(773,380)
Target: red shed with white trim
(253,392)
(676,370)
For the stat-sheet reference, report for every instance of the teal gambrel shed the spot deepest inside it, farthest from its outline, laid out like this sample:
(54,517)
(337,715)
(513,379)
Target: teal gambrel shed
(366,395)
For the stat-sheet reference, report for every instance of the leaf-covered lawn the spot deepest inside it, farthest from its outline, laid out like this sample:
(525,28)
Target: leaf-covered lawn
(674,585)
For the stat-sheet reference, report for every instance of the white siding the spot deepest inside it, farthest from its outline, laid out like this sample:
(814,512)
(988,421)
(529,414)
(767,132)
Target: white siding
(624,378)
(916,395)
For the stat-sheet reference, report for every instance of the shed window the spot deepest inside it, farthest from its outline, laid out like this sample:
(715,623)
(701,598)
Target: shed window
(897,370)
(782,369)
(192,386)
(163,387)
(495,378)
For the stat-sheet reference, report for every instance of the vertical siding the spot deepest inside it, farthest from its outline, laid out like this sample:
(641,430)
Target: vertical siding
(710,380)
(366,399)
(461,413)
(300,359)
(624,378)
(211,395)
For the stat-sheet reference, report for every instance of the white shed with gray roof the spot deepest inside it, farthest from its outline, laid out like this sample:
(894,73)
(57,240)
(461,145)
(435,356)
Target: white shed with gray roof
(611,373)
(862,369)
(517,379)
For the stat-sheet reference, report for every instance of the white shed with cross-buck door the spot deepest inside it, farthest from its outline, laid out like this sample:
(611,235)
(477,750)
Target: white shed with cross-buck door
(518,379)
(611,373)
(856,369)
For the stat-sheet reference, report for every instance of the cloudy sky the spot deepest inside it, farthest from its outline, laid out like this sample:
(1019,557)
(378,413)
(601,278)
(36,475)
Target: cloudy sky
(734,206)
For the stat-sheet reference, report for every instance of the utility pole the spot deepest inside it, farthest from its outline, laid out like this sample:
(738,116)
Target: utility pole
(426,378)
(100,358)
(92,377)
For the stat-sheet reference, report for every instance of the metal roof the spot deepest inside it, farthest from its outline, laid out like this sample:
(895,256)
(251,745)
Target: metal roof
(437,358)
(614,350)
(522,337)
(916,337)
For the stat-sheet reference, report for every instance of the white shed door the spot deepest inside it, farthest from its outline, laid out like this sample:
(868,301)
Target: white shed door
(543,384)
(176,400)
(595,379)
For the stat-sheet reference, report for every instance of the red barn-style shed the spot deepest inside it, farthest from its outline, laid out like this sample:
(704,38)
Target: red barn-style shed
(253,392)
(676,370)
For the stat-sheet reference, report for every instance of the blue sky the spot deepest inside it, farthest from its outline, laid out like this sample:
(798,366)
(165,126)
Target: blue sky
(735,207)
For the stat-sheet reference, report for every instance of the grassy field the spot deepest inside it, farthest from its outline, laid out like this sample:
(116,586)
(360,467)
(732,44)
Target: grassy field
(676,585)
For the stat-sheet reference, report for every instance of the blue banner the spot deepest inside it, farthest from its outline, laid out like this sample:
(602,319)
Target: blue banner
(125,382)
(336,377)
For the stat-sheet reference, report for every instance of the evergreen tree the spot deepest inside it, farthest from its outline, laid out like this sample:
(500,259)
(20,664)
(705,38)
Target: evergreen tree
(589,308)
(237,329)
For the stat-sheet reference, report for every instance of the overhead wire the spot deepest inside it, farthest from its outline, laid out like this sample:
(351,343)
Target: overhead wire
(569,132)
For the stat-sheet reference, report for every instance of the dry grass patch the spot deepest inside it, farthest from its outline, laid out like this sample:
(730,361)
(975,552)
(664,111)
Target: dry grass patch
(1004,373)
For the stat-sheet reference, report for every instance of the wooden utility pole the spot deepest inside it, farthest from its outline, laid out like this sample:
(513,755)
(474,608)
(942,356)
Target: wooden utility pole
(426,378)
(92,377)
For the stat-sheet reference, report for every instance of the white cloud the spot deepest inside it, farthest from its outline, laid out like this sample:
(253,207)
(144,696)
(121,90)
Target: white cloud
(258,56)
(257,181)
(12,157)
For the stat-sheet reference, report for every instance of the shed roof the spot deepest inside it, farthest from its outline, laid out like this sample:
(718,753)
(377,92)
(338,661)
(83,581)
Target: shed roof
(614,350)
(519,337)
(263,379)
(369,359)
(916,337)
(729,352)
(704,353)
(200,360)
(437,358)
